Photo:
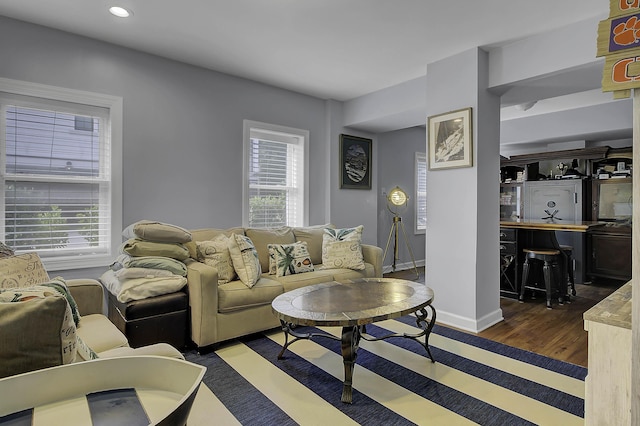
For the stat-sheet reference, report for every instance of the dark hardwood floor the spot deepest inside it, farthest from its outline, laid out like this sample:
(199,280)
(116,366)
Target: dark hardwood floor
(557,333)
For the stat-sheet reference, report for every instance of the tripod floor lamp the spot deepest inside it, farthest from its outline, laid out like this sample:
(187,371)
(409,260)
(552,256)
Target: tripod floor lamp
(397,199)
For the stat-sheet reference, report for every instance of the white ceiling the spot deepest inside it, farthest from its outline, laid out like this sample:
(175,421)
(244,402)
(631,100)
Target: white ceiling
(331,49)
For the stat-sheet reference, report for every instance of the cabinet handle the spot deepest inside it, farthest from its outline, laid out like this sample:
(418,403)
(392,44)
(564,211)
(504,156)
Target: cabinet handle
(503,235)
(502,247)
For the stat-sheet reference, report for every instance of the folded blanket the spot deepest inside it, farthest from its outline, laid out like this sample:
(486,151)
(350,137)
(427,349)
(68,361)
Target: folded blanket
(141,288)
(153,262)
(127,273)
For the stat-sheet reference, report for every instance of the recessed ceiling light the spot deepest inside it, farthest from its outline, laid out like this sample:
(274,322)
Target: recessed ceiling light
(120,12)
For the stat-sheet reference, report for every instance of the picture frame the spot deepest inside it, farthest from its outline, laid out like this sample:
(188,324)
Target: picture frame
(450,139)
(355,162)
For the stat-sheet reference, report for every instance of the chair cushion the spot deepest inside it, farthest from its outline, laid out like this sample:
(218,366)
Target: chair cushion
(100,334)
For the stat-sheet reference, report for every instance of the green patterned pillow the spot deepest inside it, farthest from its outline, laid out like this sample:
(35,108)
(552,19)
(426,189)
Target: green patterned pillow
(342,248)
(289,259)
(245,259)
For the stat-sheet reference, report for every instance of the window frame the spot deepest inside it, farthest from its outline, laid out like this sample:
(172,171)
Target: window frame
(114,130)
(281,134)
(420,162)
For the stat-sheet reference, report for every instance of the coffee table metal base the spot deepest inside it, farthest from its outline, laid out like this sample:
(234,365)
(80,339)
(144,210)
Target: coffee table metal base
(350,341)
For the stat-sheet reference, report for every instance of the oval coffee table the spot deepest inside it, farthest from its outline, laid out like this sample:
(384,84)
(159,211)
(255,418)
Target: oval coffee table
(352,305)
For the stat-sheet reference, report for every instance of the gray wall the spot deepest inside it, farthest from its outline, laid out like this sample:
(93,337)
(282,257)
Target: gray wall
(396,157)
(182,125)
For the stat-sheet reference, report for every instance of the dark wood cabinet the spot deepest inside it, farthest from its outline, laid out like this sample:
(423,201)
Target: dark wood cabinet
(510,263)
(610,251)
(609,246)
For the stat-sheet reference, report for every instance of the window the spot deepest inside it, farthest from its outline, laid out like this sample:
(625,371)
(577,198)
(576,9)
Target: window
(421,192)
(275,187)
(61,194)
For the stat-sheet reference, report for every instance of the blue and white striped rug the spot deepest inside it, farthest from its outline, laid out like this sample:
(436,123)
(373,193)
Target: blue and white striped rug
(474,381)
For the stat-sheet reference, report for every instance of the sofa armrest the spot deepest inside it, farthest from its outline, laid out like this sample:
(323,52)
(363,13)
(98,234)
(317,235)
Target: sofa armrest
(373,255)
(88,294)
(202,281)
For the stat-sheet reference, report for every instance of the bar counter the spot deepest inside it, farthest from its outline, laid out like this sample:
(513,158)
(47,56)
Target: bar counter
(550,225)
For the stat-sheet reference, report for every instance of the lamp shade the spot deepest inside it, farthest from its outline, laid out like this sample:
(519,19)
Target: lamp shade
(397,196)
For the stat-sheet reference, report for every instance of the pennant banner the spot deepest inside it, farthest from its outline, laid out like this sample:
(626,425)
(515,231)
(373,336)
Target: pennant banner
(619,43)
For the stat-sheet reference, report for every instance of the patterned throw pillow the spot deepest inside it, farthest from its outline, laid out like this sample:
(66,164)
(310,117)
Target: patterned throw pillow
(245,259)
(342,248)
(22,270)
(289,259)
(216,253)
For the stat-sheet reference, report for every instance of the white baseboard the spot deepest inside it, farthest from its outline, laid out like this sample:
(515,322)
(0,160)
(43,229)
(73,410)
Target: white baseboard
(402,266)
(469,324)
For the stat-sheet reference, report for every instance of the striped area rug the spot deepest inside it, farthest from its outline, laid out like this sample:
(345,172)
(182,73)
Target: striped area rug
(474,381)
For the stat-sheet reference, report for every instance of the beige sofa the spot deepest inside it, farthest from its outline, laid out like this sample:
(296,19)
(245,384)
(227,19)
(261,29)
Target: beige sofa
(30,333)
(230,310)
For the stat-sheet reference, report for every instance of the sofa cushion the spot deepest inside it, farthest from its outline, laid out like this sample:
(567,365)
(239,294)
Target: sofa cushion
(215,253)
(312,235)
(235,295)
(290,259)
(342,248)
(245,259)
(350,274)
(37,330)
(138,247)
(160,232)
(206,234)
(22,270)
(263,237)
(291,282)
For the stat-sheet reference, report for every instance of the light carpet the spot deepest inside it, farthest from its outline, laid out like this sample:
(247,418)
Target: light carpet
(473,381)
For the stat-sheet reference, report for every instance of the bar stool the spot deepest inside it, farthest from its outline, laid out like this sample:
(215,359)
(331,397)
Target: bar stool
(550,259)
(568,251)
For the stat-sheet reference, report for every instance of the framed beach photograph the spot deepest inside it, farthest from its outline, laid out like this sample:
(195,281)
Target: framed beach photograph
(450,140)
(355,162)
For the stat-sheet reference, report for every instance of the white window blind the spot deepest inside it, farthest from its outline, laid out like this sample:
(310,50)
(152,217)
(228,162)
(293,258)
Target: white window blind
(421,192)
(56,177)
(275,178)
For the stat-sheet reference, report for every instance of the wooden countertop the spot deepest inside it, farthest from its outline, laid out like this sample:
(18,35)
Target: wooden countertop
(550,225)
(614,310)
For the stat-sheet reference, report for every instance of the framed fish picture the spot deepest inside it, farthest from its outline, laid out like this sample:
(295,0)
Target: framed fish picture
(355,162)
(450,140)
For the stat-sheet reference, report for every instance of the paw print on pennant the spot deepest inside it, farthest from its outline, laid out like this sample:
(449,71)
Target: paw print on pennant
(628,32)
